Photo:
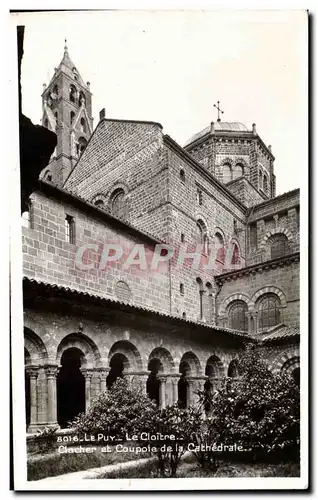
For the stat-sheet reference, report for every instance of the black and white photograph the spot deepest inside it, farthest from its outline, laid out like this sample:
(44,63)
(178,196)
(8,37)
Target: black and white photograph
(158,253)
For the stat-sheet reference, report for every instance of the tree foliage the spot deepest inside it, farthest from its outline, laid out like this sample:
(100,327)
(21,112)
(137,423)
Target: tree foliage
(180,424)
(258,411)
(116,412)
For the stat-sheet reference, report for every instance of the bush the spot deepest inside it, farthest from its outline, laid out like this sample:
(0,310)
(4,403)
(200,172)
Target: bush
(123,411)
(44,441)
(116,412)
(181,425)
(259,411)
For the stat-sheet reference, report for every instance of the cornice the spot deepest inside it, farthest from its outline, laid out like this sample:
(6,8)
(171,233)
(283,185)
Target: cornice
(246,136)
(258,268)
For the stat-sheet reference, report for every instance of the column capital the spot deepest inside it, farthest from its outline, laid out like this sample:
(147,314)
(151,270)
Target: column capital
(162,378)
(32,370)
(87,372)
(103,372)
(51,370)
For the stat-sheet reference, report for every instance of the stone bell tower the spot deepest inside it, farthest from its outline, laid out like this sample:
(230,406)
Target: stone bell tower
(67,111)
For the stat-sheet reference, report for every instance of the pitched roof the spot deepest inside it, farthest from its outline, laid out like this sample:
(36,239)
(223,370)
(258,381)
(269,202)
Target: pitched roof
(282,332)
(60,289)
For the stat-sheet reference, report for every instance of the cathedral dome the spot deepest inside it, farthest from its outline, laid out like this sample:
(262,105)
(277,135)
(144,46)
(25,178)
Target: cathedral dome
(219,127)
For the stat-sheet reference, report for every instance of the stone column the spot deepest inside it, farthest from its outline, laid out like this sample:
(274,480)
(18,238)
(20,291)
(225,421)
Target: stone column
(88,373)
(162,391)
(51,374)
(190,389)
(103,373)
(174,382)
(33,371)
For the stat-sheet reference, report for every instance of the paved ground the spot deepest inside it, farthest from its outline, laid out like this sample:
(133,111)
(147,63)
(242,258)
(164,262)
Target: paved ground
(96,471)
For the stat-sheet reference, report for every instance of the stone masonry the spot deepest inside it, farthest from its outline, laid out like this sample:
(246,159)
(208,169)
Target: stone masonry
(128,187)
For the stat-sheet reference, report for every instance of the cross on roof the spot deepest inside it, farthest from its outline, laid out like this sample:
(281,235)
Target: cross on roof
(219,110)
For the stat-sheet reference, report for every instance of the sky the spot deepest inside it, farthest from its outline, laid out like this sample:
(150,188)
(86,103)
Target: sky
(173,66)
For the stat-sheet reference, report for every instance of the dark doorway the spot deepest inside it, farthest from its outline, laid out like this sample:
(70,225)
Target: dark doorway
(182,392)
(117,366)
(153,383)
(70,387)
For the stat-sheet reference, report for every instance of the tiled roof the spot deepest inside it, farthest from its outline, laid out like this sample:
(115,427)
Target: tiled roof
(282,332)
(128,305)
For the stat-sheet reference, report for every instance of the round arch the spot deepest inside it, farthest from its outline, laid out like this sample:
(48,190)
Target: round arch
(165,358)
(226,160)
(233,369)
(35,347)
(190,364)
(214,367)
(130,353)
(235,296)
(99,197)
(288,360)
(91,354)
(115,187)
(270,289)
(277,230)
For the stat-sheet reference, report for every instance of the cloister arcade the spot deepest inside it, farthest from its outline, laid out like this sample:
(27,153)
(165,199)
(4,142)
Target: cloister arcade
(60,385)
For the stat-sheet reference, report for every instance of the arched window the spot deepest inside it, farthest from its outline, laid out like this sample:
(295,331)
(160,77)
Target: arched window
(279,245)
(55,92)
(83,125)
(73,93)
(260,180)
(118,205)
(268,311)
(201,292)
(238,171)
(227,173)
(75,74)
(238,316)
(99,203)
(209,302)
(81,145)
(236,259)
(220,248)
(265,184)
(202,235)
(48,176)
(81,98)
(72,116)
(182,175)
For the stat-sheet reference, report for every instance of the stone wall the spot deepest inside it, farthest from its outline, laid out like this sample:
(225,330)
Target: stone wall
(277,216)
(281,279)
(48,257)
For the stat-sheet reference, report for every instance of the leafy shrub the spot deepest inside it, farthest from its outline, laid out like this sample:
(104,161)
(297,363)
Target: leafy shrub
(181,425)
(258,411)
(116,412)
(44,440)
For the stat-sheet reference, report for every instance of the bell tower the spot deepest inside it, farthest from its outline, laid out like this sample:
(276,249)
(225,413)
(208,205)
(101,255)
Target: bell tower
(67,111)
